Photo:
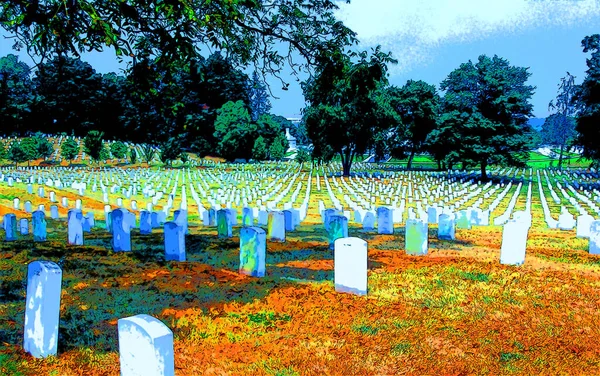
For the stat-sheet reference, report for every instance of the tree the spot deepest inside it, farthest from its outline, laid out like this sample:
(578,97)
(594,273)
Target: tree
(132,156)
(184,157)
(260,151)
(278,148)
(344,112)
(302,156)
(559,130)
(259,99)
(489,104)
(29,146)
(94,146)
(265,34)
(118,149)
(69,149)
(170,150)
(15,94)
(234,131)
(44,147)
(3,152)
(148,153)
(68,92)
(588,101)
(17,154)
(417,104)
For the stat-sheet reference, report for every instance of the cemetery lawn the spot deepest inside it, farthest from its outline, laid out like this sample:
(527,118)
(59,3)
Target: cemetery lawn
(454,311)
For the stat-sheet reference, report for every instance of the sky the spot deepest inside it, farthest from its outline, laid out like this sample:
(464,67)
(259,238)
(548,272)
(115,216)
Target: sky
(430,38)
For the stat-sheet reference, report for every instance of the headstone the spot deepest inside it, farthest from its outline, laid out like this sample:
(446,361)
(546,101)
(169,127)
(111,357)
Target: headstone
(594,246)
(514,241)
(385,225)
(446,229)
(253,247)
(10,227)
(462,220)
(24,226)
(145,222)
(416,237)
(223,224)
(181,218)
(28,206)
(42,308)
(247,217)
(338,228)
(583,225)
(121,230)
(432,215)
(38,219)
(566,222)
(145,347)
(75,227)
(263,218)
(276,226)
(16,204)
(54,212)
(368,223)
(65,202)
(174,242)
(153,220)
(350,266)
(289,220)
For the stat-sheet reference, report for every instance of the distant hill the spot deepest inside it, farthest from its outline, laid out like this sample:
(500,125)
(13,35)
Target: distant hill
(536,123)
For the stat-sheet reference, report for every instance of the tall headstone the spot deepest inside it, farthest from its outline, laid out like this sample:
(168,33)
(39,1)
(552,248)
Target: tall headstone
(276,226)
(594,247)
(385,224)
(145,222)
(10,227)
(223,224)
(368,223)
(121,231)
(416,237)
(181,218)
(289,220)
(54,212)
(446,229)
(24,226)
(350,266)
(253,248)
(145,347)
(583,225)
(338,228)
(75,227)
(38,219)
(42,309)
(247,217)
(174,242)
(462,220)
(514,242)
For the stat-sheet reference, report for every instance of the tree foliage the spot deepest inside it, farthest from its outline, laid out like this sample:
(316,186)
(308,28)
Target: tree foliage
(94,145)
(343,113)
(148,153)
(17,153)
(487,105)
(44,147)
(234,131)
(69,149)
(266,34)
(588,101)
(170,150)
(15,94)
(259,98)
(260,150)
(118,149)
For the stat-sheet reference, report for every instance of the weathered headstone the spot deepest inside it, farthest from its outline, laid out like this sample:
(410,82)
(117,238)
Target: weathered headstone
(42,309)
(24,226)
(253,247)
(446,227)
(223,224)
(174,242)
(38,219)
(514,242)
(75,227)
(594,246)
(416,237)
(10,227)
(276,226)
(350,266)
(338,228)
(121,230)
(145,347)
(385,225)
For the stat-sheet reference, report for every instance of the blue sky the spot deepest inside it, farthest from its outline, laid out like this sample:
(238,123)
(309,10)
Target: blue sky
(430,38)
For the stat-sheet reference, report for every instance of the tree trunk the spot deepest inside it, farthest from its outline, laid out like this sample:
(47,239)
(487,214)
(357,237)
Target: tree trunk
(410,159)
(560,157)
(439,163)
(484,176)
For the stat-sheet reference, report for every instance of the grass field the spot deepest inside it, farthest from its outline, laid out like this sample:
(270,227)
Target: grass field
(455,311)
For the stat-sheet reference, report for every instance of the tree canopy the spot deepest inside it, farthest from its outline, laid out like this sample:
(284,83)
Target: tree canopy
(488,107)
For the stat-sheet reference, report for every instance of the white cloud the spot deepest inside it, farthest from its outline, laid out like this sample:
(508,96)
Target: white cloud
(411,29)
